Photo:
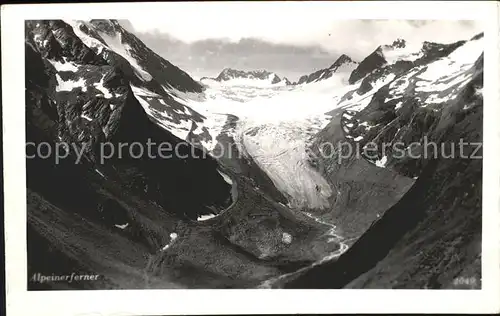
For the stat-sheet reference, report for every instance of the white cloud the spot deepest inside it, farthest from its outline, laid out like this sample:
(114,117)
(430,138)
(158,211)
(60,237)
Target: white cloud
(296,23)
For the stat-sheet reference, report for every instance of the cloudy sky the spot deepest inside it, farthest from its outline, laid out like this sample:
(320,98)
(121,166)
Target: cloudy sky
(293,25)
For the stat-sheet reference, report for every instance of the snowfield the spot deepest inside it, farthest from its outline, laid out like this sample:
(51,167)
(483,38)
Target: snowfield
(70,84)
(274,126)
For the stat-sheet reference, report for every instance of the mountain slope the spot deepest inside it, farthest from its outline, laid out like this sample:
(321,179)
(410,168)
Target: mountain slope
(399,55)
(432,235)
(110,40)
(125,206)
(131,218)
(274,209)
(92,102)
(416,244)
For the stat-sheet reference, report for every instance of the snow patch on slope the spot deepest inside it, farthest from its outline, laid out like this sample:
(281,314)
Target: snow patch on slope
(100,86)
(65,66)
(179,127)
(226,177)
(70,84)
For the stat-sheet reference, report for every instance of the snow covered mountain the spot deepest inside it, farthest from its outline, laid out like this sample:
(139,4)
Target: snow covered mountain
(264,78)
(433,99)
(88,80)
(268,203)
(410,106)
(342,66)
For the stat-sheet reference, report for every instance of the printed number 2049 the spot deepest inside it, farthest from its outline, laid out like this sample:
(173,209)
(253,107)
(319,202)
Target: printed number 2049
(465,281)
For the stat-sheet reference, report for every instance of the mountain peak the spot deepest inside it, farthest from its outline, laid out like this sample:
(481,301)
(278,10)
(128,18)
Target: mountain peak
(110,27)
(397,43)
(477,36)
(342,60)
(343,64)
(261,75)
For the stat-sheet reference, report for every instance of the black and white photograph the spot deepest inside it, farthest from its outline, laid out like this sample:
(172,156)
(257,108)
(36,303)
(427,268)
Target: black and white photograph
(264,146)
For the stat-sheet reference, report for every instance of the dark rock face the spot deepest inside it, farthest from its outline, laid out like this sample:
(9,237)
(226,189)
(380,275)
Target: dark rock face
(327,72)
(367,65)
(432,51)
(395,69)
(117,216)
(341,60)
(362,192)
(375,65)
(477,36)
(84,117)
(55,40)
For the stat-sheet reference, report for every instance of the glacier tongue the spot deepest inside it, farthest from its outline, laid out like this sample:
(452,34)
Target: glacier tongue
(280,150)
(273,128)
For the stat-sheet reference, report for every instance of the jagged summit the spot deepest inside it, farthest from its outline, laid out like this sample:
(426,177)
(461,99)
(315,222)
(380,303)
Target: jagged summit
(229,73)
(399,43)
(396,44)
(343,64)
(435,98)
(249,77)
(343,59)
(400,54)
(477,36)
